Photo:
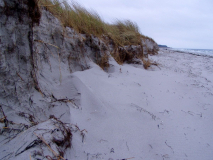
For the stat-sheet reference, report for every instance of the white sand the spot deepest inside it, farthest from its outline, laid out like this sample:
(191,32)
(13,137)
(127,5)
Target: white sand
(165,112)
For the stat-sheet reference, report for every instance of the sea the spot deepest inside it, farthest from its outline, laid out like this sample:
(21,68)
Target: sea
(205,52)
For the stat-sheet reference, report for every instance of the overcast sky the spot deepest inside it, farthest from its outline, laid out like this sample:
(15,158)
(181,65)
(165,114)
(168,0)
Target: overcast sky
(175,23)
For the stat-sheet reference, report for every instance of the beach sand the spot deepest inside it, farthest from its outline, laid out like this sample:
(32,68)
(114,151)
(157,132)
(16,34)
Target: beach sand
(165,112)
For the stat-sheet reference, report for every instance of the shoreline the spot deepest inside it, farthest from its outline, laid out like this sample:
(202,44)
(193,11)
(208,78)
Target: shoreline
(196,54)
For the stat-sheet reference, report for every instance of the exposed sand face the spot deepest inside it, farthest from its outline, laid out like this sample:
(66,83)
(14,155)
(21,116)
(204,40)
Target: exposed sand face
(162,113)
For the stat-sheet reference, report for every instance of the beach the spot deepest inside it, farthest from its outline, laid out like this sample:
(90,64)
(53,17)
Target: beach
(76,87)
(165,112)
(126,112)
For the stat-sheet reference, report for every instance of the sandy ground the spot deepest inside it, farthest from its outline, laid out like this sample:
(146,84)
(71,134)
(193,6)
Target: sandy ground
(165,112)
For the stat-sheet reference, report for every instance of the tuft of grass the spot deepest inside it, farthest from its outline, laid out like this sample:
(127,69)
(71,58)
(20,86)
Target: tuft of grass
(124,33)
(146,63)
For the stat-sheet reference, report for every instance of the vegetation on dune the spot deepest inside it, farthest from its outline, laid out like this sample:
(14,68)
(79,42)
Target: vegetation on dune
(89,22)
(120,33)
(124,33)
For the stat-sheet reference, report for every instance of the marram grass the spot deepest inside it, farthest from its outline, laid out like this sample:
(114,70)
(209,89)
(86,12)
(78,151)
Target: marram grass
(89,22)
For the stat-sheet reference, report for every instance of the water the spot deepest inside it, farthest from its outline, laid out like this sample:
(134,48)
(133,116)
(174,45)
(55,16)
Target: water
(208,52)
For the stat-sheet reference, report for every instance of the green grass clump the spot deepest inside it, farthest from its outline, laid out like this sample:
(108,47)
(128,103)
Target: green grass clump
(89,22)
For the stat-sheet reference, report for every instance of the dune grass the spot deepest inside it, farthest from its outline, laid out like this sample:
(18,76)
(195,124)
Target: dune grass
(124,33)
(89,22)
(75,16)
